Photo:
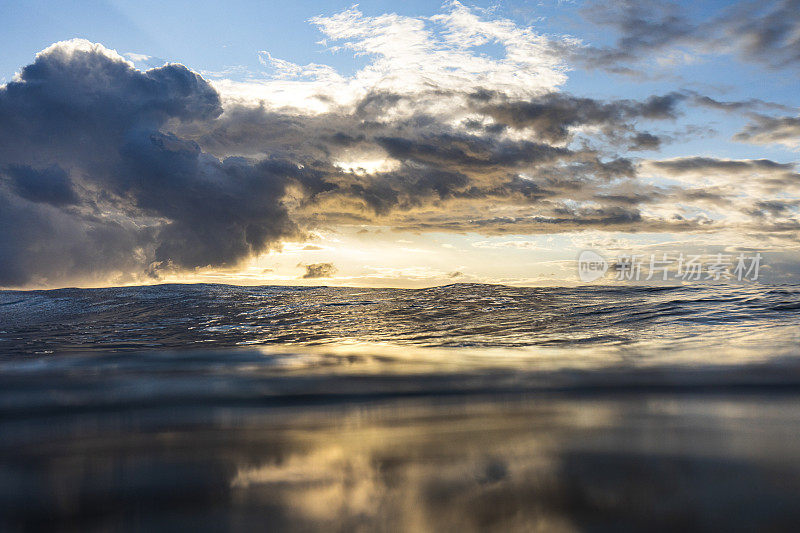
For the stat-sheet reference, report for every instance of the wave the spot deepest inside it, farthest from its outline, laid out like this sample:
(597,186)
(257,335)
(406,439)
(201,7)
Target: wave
(461,315)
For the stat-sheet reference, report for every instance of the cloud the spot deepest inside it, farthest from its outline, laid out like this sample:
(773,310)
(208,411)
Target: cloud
(109,172)
(522,245)
(413,52)
(40,243)
(771,130)
(50,185)
(319,270)
(644,29)
(763,129)
(774,207)
(756,194)
(750,104)
(82,132)
(555,115)
(765,33)
(728,170)
(645,141)
(681,165)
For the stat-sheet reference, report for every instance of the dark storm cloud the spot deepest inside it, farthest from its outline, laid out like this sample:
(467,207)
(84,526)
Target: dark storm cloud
(50,185)
(77,103)
(39,242)
(319,270)
(217,211)
(95,186)
(766,33)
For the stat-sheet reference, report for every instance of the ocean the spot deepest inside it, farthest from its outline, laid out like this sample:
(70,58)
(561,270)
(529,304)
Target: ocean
(464,407)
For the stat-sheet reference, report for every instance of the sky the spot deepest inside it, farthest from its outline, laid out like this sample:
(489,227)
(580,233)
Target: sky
(400,144)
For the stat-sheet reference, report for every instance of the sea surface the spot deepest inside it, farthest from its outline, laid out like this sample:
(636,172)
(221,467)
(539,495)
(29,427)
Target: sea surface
(457,408)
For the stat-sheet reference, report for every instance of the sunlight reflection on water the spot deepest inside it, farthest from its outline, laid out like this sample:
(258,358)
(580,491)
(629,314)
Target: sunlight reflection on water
(517,463)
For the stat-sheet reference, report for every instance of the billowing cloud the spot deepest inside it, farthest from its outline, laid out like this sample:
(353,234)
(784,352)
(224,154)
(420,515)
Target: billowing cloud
(93,185)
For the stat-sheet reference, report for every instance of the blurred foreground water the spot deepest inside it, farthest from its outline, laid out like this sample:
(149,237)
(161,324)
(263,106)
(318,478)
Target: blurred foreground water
(466,408)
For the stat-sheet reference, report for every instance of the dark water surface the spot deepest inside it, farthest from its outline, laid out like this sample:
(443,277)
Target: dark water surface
(467,407)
